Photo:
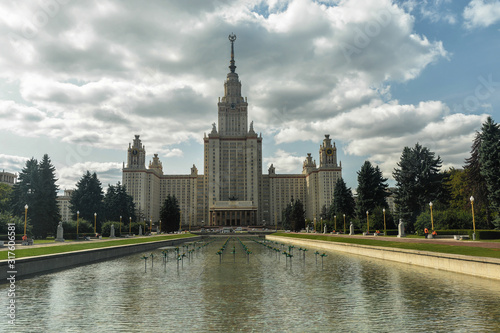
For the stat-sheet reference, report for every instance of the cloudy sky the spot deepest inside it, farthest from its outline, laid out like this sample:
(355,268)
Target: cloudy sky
(79,79)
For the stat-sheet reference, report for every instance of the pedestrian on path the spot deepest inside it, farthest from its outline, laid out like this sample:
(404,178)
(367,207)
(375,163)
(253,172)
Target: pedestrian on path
(426,232)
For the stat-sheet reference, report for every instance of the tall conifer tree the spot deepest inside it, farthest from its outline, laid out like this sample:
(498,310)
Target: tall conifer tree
(489,158)
(88,199)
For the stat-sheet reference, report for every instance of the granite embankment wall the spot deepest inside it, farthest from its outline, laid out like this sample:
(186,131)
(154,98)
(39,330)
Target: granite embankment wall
(26,267)
(477,266)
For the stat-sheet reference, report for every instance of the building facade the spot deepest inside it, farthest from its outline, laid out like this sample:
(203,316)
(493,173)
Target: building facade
(63,202)
(232,191)
(8,178)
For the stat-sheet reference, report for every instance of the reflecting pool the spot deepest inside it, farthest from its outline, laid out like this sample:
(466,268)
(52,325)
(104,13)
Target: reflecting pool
(260,292)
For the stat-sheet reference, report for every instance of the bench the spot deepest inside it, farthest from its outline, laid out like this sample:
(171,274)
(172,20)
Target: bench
(456,237)
(29,241)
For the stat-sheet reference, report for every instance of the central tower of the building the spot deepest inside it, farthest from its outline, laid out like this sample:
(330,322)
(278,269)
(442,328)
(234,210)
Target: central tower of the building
(233,159)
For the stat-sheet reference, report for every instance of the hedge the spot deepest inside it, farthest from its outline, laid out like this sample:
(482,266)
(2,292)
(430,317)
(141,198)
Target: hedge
(480,234)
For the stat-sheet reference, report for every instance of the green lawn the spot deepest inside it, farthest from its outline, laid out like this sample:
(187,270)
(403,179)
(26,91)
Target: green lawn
(85,245)
(441,248)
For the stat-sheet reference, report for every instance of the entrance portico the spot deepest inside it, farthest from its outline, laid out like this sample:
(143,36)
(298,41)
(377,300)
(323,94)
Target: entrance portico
(233,213)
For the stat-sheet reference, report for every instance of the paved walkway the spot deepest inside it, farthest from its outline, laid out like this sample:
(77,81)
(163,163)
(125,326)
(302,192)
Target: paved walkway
(443,241)
(67,242)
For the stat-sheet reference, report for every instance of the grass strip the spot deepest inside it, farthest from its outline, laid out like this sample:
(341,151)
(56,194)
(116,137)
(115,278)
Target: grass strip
(440,248)
(77,246)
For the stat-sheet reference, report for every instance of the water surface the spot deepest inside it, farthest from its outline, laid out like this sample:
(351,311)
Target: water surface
(265,293)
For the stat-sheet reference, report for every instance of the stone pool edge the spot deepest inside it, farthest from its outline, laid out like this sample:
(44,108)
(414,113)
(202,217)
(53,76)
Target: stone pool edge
(476,266)
(28,266)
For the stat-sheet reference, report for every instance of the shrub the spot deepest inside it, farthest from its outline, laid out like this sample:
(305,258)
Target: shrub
(84,226)
(106,228)
(487,234)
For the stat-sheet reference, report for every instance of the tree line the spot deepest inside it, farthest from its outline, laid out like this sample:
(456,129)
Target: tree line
(420,182)
(418,175)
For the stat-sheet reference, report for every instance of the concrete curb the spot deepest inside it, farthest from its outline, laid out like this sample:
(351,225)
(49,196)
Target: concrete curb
(476,266)
(28,266)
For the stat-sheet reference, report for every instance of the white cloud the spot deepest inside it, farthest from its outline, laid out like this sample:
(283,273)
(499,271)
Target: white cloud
(107,173)
(97,73)
(283,161)
(12,163)
(481,14)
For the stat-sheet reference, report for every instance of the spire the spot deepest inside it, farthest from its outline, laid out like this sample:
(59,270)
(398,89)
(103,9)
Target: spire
(232,38)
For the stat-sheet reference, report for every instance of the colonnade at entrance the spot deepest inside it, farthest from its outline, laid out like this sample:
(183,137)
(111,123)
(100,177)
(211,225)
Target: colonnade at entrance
(233,217)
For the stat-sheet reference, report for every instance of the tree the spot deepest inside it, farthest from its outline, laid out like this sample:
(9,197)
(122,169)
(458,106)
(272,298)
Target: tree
(170,214)
(298,216)
(25,191)
(36,187)
(343,201)
(87,199)
(372,189)
(455,182)
(293,216)
(475,181)
(489,158)
(118,203)
(5,193)
(418,182)
(47,217)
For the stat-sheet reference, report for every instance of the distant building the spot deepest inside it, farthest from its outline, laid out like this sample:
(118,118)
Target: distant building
(391,199)
(7,178)
(63,204)
(232,191)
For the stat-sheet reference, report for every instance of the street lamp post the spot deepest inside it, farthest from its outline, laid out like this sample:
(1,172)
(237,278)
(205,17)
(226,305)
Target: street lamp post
(385,229)
(95,219)
(314,224)
(367,223)
(432,218)
(77,217)
(130,226)
(473,220)
(160,227)
(321,224)
(120,225)
(180,221)
(335,221)
(344,224)
(25,217)
(151,225)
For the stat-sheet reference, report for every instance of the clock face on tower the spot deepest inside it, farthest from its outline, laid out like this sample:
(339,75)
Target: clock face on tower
(329,151)
(135,151)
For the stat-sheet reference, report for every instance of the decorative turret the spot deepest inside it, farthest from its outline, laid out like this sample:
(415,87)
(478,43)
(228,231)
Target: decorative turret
(136,155)
(309,165)
(327,153)
(194,171)
(156,165)
(272,170)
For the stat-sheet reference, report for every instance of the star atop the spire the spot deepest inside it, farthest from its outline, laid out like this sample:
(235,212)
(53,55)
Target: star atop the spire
(232,38)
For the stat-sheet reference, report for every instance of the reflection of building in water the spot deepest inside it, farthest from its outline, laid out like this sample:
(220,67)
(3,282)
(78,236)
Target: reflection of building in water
(232,189)
(8,178)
